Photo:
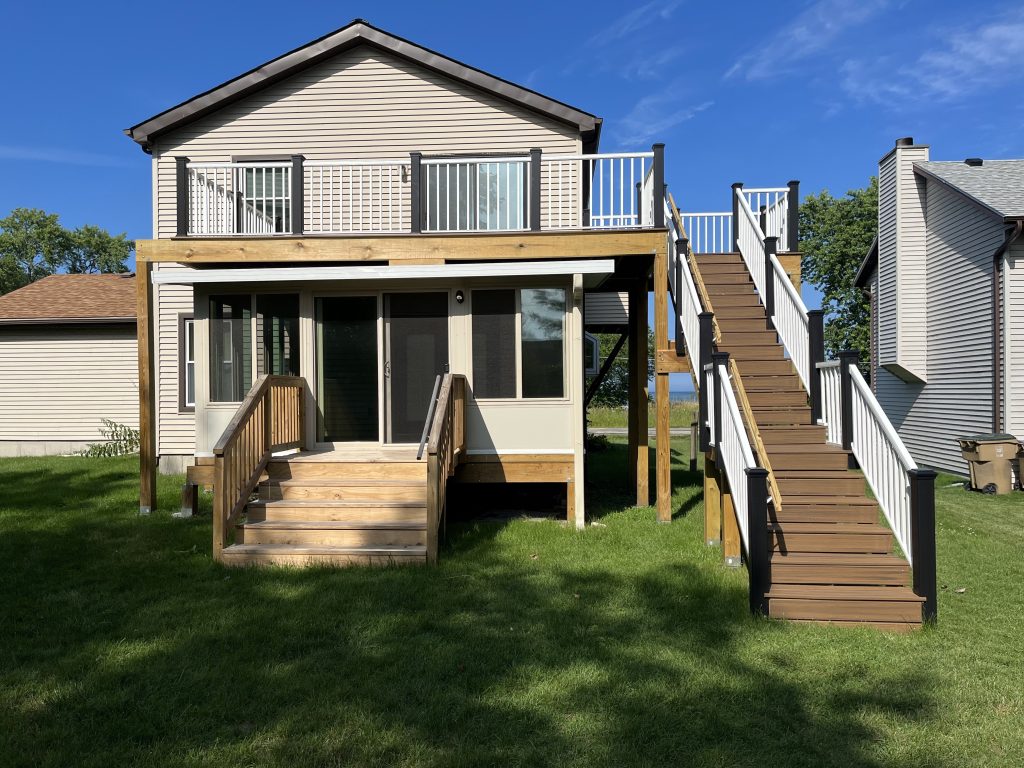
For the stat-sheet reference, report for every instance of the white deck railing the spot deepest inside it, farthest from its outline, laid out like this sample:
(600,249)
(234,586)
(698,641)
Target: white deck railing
(239,198)
(483,194)
(708,232)
(350,196)
(775,202)
(880,453)
(597,191)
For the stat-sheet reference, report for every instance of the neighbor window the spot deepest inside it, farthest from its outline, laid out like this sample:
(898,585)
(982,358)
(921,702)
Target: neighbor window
(535,366)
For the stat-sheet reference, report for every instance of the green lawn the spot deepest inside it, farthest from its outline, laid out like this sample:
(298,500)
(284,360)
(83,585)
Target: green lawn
(682,414)
(531,644)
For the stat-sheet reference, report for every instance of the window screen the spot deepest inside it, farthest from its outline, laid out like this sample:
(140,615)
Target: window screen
(494,343)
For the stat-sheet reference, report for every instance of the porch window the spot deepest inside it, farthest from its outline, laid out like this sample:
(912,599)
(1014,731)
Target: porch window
(187,382)
(277,334)
(475,196)
(230,347)
(519,343)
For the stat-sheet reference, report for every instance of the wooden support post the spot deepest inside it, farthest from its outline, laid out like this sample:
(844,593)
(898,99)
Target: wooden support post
(638,393)
(693,446)
(147,397)
(732,548)
(712,503)
(575,489)
(663,472)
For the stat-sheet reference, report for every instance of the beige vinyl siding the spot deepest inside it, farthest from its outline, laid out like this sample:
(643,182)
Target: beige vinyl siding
(1013,319)
(957,399)
(361,104)
(888,308)
(57,382)
(175,429)
(912,255)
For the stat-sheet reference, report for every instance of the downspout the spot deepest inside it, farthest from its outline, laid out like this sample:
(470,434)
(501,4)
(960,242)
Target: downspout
(1012,236)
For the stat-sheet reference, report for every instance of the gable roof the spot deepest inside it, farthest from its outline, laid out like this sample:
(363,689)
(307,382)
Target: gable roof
(997,185)
(356,33)
(72,299)
(868,266)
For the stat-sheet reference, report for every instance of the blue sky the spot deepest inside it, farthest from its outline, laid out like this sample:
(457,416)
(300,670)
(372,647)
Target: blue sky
(738,91)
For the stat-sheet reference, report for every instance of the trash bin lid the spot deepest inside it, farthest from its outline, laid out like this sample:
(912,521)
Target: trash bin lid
(989,438)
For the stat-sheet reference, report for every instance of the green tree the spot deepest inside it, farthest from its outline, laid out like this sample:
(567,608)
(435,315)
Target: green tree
(835,234)
(614,389)
(33,244)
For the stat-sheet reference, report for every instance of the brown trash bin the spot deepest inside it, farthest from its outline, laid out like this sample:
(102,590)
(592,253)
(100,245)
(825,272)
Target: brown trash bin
(989,458)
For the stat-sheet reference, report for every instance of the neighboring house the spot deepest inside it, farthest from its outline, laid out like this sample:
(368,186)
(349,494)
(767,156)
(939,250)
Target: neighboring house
(357,218)
(946,281)
(68,360)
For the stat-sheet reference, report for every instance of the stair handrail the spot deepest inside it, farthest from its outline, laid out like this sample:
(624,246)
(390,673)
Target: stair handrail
(269,419)
(789,318)
(446,445)
(755,432)
(748,482)
(750,241)
(683,289)
(694,271)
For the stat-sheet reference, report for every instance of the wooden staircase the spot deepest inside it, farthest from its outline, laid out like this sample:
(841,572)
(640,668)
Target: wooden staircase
(830,558)
(327,508)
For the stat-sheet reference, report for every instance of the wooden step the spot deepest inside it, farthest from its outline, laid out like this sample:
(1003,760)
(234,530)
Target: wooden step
(760,398)
(764,367)
(844,603)
(729,276)
(806,457)
(355,533)
(719,258)
(796,434)
(344,490)
(781,415)
(817,568)
(738,312)
(801,482)
(276,554)
(795,509)
(766,353)
(732,288)
(751,339)
(326,510)
(786,382)
(306,469)
(722,267)
(829,537)
(741,324)
(727,301)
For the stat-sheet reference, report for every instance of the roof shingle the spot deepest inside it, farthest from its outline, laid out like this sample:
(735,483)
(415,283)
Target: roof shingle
(72,298)
(996,184)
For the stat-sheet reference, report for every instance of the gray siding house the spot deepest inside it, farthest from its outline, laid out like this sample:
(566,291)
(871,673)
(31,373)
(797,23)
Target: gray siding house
(946,281)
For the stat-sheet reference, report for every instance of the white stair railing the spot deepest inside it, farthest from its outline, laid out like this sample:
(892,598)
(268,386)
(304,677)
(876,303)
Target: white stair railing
(774,201)
(831,401)
(684,291)
(790,318)
(750,240)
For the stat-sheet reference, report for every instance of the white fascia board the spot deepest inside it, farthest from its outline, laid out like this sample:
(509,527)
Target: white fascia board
(188,276)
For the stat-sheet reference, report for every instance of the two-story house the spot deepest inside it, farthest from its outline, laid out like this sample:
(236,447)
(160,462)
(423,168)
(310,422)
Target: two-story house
(368,274)
(946,281)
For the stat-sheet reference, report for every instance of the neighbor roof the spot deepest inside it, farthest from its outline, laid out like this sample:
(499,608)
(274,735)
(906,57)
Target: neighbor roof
(995,184)
(868,266)
(72,299)
(357,33)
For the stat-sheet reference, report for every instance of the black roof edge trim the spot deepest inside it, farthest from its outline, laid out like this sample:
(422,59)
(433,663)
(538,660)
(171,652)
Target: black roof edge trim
(356,33)
(867,266)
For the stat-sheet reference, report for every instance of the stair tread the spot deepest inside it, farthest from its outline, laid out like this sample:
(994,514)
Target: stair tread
(342,481)
(830,501)
(323,549)
(842,592)
(835,558)
(818,474)
(339,525)
(817,448)
(833,528)
(339,503)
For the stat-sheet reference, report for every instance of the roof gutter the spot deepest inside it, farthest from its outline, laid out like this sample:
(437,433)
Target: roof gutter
(1013,234)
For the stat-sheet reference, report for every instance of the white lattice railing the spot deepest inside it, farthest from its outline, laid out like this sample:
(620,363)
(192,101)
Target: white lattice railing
(599,191)
(356,196)
(708,232)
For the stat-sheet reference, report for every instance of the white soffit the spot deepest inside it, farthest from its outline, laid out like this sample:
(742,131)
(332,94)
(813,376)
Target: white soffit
(189,276)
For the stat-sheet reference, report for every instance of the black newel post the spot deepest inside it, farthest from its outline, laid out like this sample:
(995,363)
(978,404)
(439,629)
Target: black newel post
(682,245)
(718,359)
(659,186)
(846,359)
(922,539)
(181,191)
(771,247)
(639,204)
(298,182)
(763,220)
(736,216)
(757,533)
(705,322)
(415,200)
(816,354)
(793,218)
(535,190)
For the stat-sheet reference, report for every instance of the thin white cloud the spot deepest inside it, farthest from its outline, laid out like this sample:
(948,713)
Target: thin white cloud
(647,65)
(634,21)
(985,56)
(811,32)
(653,116)
(60,156)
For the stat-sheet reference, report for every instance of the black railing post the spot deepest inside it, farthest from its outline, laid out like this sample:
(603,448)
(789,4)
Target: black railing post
(771,247)
(922,539)
(639,204)
(736,216)
(762,219)
(535,155)
(658,188)
(298,194)
(718,359)
(682,245)
(757,539)
(816,354)
(705,322)
(181,191)
(415,185)
(846,359)
(793,218)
